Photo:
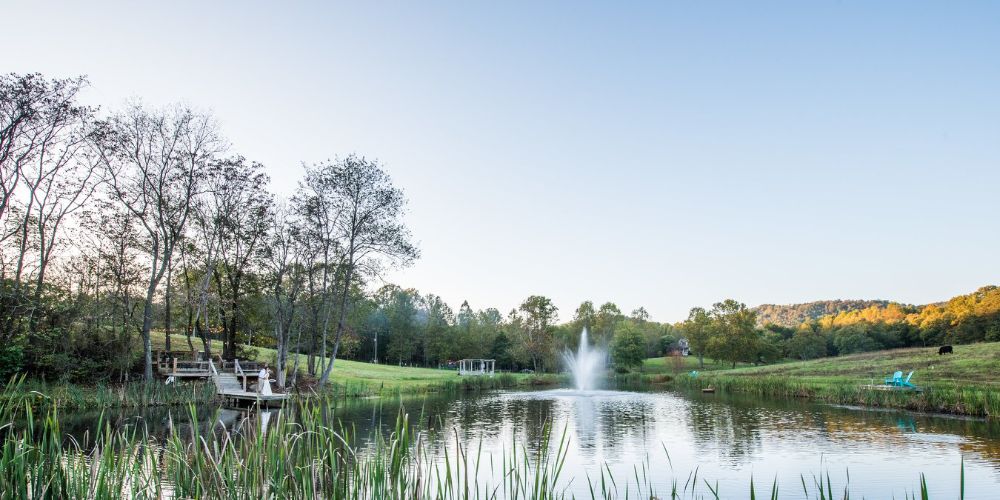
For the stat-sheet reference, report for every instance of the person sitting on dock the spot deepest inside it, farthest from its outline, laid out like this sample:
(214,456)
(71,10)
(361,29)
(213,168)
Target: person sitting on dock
(263,381)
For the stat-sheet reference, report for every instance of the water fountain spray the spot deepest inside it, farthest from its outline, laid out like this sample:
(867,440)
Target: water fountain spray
(586,365)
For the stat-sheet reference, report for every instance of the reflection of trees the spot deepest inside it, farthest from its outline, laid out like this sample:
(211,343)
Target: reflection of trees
(625,419)
(732,429)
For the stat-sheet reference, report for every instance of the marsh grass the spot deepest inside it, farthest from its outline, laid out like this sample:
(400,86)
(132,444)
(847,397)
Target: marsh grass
(938,398)
(307,453)
(67,396)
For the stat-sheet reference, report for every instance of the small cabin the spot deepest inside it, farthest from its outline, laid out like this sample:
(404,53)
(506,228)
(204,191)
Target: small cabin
(476,367)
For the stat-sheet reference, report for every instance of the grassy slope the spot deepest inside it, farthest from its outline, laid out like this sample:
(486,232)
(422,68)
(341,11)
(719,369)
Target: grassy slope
(352,374)
(964,382)
(972,365)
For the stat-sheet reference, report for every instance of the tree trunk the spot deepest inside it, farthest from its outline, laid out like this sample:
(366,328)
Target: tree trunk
(298,355)
(147,325)
(166,305)
(348,275)
(147,313)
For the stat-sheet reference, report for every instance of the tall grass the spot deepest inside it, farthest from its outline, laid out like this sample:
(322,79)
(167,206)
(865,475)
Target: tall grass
(941,398)
(40,395)
(303,455)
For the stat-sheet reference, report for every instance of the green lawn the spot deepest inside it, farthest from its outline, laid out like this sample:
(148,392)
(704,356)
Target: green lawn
(688,363)
(354,373)
(971,365)
(964,382)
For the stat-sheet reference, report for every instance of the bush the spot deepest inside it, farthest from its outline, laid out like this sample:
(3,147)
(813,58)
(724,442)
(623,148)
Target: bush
(11,361)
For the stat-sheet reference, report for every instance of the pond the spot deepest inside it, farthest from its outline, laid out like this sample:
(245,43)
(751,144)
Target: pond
(670,436)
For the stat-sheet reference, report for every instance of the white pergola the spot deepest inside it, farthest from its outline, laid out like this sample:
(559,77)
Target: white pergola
(476,366)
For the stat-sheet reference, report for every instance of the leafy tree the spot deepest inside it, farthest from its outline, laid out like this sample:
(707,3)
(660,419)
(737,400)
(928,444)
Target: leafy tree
(640,315)
(605,322)
(734,335)
(853,339)
(538,316)
(583,317)
(770,347)
(501,351)
(698,330)
(628,347)
(242,207)
(807,344)
(440,341)
(401,312)
(370,228)
(667,343)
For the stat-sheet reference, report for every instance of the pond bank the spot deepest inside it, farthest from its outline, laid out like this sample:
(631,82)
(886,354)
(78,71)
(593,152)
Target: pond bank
(962,383)
(69,396)
(940,398)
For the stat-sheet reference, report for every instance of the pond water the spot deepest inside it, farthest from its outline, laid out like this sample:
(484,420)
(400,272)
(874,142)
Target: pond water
(726,438)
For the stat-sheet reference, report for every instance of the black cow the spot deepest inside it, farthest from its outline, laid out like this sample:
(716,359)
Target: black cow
(945,349)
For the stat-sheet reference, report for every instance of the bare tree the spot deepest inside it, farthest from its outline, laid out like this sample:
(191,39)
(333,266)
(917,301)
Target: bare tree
(243,205)
(43,179)
(284,278)
(153,163)
(370,228)
(33,112)
(115,244)
(317,204)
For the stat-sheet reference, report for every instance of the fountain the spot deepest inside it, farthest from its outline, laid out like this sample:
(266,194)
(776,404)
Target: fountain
(586,364)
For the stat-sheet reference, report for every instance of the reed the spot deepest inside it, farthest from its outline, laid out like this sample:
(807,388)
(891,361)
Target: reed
(40,395)
(306,453)
(938,398)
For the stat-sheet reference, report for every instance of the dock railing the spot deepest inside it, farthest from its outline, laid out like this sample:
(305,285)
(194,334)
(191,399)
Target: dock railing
(239,372)
(180,366)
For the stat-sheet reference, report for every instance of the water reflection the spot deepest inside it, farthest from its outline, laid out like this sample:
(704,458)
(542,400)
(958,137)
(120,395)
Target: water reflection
(728,438)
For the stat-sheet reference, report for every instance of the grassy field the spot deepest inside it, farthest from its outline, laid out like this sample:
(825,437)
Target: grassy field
(964,382)
(357,378)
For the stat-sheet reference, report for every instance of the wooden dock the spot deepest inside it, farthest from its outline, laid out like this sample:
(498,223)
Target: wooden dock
(893,388)
(232,386)
(232,379)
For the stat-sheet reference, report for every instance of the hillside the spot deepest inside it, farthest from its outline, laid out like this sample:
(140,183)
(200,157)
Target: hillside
(962,382)
(793,315)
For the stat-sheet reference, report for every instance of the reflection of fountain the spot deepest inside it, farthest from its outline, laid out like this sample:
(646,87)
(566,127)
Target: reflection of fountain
(586,364)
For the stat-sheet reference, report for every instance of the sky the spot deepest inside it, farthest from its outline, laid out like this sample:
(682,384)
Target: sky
(661,154)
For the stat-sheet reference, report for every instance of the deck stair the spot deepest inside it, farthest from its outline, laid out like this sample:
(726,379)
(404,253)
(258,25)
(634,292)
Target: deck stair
(228,382)
(232,386)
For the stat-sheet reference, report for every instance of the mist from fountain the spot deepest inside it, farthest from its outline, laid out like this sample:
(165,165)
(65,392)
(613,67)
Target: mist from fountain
(586,365)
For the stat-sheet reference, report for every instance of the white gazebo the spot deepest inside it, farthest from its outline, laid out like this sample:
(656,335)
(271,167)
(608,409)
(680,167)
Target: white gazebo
(476,366)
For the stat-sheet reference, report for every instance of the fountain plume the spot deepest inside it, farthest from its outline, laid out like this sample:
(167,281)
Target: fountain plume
(586,365)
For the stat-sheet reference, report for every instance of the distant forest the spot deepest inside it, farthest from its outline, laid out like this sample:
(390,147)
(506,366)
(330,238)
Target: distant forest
(793,315)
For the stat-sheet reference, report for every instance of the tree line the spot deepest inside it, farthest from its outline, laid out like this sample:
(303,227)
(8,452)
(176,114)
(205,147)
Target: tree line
(120,228)
(143,224)
(114,225)
(731,332)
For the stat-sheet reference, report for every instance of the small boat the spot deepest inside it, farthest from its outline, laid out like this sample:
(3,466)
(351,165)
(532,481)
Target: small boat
(708,390)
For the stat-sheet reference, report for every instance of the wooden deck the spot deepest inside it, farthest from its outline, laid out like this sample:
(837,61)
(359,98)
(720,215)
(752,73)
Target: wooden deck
(232,379)
(232,386)
(887,387)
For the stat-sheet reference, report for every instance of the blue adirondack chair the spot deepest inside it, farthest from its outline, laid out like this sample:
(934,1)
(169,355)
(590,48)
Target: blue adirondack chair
(906,382)
(896,379)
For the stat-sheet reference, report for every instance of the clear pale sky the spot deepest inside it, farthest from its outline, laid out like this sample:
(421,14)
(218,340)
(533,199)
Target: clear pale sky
(663,154)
